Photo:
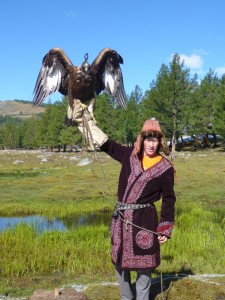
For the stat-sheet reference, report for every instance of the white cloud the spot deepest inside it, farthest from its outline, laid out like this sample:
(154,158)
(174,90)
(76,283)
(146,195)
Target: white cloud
(220,71)
(193,61)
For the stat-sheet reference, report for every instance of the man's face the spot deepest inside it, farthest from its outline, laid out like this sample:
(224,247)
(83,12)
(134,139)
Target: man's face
(151,145)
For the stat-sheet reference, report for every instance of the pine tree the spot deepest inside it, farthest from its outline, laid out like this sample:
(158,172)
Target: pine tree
(106,115)
(28,133)
(219,115)
(70,136)
(167,97)
(10,139)
(51,124)
(203,107)
(130,118)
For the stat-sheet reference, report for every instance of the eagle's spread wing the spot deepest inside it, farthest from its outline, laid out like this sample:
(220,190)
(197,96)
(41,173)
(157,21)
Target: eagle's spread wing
(53,75)
(109,76)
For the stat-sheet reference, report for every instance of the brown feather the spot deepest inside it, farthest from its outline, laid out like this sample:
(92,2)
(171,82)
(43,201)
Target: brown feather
(59,74)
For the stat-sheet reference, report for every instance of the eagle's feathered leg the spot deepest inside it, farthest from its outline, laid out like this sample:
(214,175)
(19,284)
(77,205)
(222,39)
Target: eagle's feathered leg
(69,117)
(91,107)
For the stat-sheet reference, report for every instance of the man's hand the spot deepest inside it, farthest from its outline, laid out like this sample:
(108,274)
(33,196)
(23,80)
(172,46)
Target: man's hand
(162,239)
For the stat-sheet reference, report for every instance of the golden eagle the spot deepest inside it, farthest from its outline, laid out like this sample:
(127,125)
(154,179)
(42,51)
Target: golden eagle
(83,82)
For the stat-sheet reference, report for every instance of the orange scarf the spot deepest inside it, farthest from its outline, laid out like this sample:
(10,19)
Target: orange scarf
(148,162)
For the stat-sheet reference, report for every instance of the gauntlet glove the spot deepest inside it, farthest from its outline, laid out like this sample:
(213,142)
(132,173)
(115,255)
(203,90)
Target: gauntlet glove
(85,123)
(75,113)
(95,136)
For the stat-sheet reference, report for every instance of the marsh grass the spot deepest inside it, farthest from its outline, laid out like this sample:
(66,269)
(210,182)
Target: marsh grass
(59,188)
(24,252)
(197,245)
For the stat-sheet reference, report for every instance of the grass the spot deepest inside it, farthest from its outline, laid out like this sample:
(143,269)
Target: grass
(26,253)
(197,240)
(58,188)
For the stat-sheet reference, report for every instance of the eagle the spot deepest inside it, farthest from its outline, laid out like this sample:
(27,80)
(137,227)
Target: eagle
(83,82)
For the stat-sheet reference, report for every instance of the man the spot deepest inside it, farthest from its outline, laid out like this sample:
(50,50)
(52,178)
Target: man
(146,176)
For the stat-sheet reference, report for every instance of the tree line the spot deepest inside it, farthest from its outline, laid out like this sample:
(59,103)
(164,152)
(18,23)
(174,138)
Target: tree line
(183,104)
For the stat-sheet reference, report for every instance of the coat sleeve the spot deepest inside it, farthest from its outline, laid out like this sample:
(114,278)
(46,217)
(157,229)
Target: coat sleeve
(115,150)
(168,201)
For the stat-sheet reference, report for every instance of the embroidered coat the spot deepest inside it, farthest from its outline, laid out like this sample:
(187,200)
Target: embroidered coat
(134,248)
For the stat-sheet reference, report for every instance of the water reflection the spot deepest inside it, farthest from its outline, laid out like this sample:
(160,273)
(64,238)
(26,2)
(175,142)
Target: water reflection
(41,224)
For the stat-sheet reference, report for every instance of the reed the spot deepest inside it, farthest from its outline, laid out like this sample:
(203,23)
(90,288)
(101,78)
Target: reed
(197,244)
(24,252)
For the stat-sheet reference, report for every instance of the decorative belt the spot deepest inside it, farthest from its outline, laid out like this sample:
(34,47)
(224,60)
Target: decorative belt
(124,206)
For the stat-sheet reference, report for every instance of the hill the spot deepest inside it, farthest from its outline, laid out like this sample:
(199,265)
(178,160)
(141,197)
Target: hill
(19,109)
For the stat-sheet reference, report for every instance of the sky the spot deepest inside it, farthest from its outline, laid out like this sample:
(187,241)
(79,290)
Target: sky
(145,33)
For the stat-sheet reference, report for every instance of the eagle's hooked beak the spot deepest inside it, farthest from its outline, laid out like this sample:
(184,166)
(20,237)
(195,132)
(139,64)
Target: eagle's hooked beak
(85,66)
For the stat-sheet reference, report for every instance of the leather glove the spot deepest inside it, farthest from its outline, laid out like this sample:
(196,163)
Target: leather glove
(90,131)
(75,113)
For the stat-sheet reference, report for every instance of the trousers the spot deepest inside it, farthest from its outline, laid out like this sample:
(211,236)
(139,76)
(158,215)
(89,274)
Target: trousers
(143,284)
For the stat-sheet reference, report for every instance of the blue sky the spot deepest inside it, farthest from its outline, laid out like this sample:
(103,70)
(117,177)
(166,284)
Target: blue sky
(146,34)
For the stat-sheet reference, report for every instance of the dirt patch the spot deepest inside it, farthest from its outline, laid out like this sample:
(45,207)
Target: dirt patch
(66,294)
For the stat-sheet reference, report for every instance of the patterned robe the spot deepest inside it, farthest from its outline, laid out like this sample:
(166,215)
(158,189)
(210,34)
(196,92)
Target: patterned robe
(134,248)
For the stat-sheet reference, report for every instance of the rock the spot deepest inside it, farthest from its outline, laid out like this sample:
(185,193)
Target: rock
(65,294)
(74,158)
(16,162)
(84,162)
(44,159)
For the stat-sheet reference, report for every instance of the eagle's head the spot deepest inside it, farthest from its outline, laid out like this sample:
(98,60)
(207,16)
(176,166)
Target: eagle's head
(85,65)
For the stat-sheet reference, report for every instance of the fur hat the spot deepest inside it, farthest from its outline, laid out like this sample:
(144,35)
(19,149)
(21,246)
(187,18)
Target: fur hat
(151,128)
(151,125)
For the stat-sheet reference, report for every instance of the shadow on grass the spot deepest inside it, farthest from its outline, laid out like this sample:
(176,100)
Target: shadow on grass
(167,280)
(19,174)
(182,285)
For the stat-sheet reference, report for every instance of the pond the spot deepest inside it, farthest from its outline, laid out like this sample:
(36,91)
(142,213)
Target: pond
(41,223)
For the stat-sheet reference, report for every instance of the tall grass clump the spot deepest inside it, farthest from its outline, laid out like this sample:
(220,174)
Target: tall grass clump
(197,243)
(72,253)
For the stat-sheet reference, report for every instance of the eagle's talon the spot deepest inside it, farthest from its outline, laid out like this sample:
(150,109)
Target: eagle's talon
(84,106)
(68,122)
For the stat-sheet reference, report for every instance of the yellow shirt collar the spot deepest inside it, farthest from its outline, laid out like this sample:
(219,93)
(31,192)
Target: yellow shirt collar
(148,162)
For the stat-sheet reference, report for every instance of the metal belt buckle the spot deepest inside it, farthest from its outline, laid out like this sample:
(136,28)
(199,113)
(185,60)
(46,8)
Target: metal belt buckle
(115,214)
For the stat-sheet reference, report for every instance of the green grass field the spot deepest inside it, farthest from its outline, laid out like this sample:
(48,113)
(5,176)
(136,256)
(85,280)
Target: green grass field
(52,185)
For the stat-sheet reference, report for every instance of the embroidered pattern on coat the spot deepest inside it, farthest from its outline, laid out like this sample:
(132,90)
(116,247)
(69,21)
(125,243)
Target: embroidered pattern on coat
(144,177)
(116,237)
(144,239)
(129,259)
(136,184)
(166,228)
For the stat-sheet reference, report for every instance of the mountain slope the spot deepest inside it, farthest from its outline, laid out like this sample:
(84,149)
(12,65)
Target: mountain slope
(19,109)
